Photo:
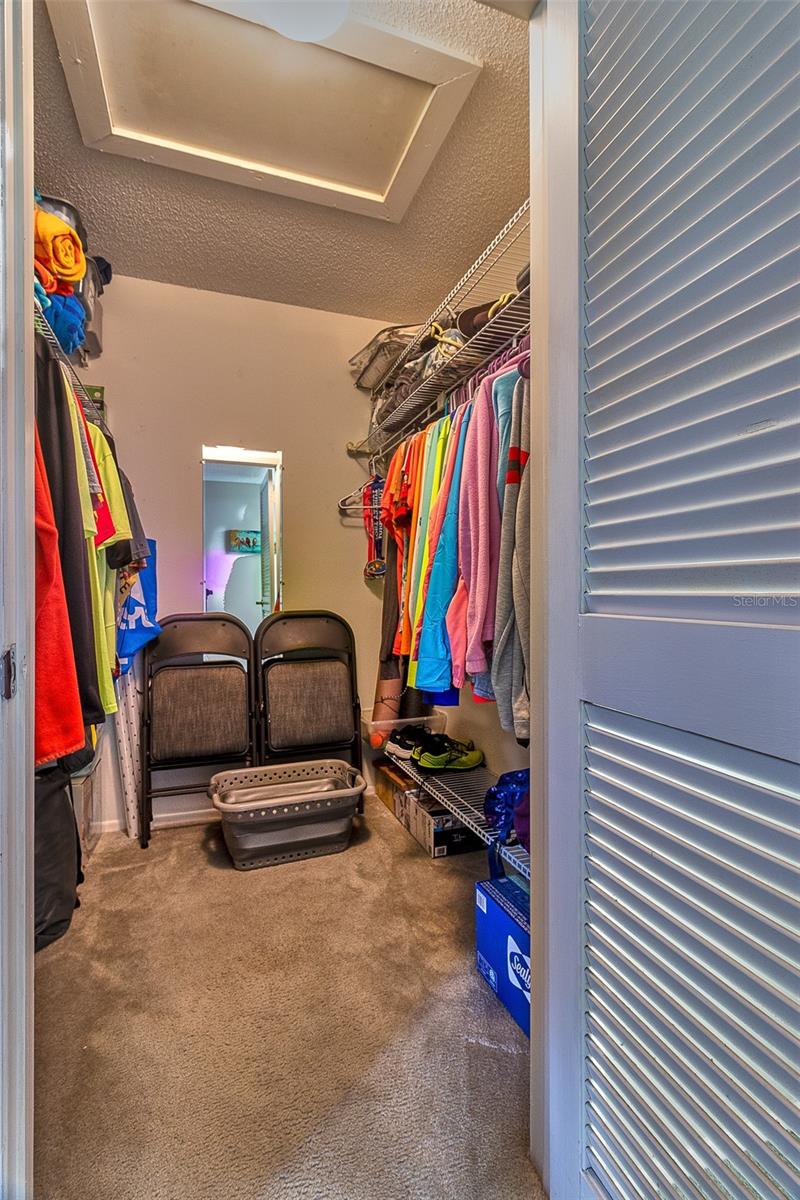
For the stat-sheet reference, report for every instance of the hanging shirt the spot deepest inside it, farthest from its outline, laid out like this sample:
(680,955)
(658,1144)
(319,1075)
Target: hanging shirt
(419,525)
(103,661)
(112,487)
(390,613)
(102,514)
(438,446)
(479,535)
(58,724)
(416,472)
(434,667)
(508,675)
(55,429)
(502,399)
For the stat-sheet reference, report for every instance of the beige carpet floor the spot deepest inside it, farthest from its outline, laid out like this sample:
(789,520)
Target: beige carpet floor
(314,1031)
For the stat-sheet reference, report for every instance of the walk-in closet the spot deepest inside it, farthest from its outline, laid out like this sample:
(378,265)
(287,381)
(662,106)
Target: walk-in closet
(398,589)
(278,982)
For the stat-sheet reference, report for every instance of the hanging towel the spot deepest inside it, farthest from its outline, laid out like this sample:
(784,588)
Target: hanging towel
(58,247)
(67,321)
(40,294)
(46,279)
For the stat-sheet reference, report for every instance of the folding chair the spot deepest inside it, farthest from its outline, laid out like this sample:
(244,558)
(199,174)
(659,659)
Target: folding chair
(307,689)
(199,703)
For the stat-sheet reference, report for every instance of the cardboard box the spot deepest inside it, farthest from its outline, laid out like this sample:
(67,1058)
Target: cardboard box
(402,806)
(503,945)
(436,829)
(388,781)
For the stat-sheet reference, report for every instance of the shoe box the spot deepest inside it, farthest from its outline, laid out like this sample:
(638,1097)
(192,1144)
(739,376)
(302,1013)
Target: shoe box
(503,945)
(389,781)
(435,828)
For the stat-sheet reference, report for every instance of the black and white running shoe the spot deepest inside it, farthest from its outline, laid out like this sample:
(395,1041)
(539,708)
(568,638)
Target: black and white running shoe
(403,741)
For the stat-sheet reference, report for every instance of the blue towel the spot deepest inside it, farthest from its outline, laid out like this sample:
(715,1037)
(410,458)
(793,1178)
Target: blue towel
(40,294)
(67,320)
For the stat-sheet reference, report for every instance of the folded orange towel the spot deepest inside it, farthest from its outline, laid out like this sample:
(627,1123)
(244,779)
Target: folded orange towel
(46,278)
(58,247)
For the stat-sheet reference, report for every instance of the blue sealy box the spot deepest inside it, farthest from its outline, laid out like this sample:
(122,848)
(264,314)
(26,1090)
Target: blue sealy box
(503,945)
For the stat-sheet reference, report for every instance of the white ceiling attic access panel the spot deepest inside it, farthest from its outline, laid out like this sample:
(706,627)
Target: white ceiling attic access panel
(353,122)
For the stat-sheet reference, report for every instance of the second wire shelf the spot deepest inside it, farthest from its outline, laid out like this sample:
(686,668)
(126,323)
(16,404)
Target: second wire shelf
(462,793)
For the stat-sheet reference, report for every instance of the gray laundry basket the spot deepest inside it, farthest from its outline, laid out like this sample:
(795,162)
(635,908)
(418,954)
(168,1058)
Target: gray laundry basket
(284,813)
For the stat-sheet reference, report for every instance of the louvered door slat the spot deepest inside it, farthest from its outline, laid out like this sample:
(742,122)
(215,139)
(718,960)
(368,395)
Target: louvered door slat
(774,374)
(691,514)
(760,479)
(755,202)
(694,36)
(707,305)
(606,42)
(762,447)
(692,905)
(733,1102)
(633,444)
(633,53)
(701,118)
(722,284)
(778,511)
(732,193)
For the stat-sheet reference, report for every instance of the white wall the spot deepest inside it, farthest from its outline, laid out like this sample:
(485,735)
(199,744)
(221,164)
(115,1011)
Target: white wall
(478,723)
(182,368)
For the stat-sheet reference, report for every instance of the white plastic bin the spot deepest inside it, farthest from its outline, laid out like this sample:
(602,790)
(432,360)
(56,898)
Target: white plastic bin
(371,730)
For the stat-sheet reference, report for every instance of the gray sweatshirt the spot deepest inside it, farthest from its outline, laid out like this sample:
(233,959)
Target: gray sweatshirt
(509,663)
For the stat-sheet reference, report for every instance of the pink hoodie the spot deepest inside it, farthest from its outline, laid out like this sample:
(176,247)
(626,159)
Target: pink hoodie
(471,615)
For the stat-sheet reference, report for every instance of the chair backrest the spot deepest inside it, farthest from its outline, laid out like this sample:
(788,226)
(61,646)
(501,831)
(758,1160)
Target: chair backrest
(307,689)
(199,690)
(303,631)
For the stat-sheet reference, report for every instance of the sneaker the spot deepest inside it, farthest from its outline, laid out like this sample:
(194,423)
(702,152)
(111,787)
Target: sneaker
(441,753)
(403,741)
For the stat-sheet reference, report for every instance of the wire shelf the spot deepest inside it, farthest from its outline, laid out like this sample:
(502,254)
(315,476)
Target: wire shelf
(462,793)
(493,274)
(510,323)
(42,326)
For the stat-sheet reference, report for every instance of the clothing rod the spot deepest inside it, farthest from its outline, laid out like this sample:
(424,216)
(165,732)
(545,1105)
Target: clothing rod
(42,326)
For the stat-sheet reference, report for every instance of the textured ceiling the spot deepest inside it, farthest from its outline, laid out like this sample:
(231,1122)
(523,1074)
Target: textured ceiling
(156,223)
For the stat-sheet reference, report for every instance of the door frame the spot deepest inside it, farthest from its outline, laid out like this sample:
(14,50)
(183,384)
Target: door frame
(16,601)
(241,456)
(556,784)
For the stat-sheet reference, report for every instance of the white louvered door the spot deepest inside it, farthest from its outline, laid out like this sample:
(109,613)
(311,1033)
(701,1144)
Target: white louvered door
(676,692)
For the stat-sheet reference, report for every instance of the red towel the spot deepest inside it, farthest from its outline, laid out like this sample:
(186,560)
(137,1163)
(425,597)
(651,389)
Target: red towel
(59,721)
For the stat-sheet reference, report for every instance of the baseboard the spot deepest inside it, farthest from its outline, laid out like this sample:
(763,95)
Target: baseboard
(112,825)
(196,816)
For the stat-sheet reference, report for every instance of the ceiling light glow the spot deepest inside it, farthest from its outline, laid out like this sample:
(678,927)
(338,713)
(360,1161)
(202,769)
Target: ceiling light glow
(305,20)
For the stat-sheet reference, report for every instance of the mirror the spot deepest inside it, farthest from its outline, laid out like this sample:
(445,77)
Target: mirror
(242,535)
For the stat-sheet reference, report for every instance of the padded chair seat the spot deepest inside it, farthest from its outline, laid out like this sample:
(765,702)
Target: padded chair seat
(309,703)
(199,712)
